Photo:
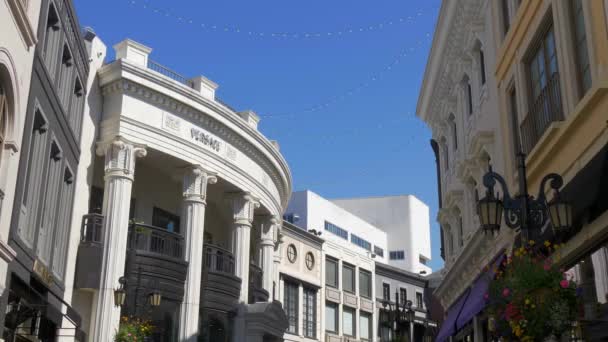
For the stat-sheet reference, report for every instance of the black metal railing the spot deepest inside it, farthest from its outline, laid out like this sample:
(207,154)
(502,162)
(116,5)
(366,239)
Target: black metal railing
(546,108)
(161,69)
(255,276)
(217,259)
(151,239)
(92,229)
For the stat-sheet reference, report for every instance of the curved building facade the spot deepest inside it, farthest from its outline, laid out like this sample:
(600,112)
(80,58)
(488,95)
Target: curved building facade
(185,198)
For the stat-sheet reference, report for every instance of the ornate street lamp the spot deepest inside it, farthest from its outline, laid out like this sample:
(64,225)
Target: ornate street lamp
(120,293)
(523,211)
(154,299)
(399,316)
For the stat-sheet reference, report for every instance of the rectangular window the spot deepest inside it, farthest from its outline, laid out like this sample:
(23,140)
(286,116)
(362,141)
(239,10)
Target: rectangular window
(379,251)
(51,41)
(331,272)
(460,232)
(46,230)
(419,302)
(76,109)
(360,242)
(397,255)
(386,291)
(348,278)
(290,303)
(64,83)
(63,224)
(164,219)
(365,283)
(331,317)
(365,326)
(580,46)
(422,259)
(402,296)
(31,197)
(332,228)
(545,102)
(348,321)
(310,313)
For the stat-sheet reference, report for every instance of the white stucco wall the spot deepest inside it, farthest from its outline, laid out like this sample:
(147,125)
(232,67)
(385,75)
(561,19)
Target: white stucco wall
(314,210)
(405,219)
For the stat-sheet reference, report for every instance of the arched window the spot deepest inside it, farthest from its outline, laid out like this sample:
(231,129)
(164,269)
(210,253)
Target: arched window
(454,131)
(468,94)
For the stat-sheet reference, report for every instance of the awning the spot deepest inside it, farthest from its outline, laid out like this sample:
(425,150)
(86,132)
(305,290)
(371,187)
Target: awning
(476,301)
(448,327)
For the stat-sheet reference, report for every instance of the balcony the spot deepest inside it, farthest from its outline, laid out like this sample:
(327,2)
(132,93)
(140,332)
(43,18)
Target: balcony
(256,291)
(220,287)
(153,255)
(546,108)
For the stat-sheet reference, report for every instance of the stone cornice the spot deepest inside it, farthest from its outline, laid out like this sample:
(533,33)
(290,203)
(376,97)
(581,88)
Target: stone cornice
(399,274)
(447,52)
(113,78)
(301,233)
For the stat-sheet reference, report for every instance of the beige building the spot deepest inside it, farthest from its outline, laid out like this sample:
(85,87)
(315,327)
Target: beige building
(544,94)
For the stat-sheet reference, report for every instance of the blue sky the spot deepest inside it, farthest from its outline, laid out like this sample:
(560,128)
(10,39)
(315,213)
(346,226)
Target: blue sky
(340,103)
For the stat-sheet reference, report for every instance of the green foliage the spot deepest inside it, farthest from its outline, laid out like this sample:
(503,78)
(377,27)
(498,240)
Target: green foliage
(133,329)
(531,298)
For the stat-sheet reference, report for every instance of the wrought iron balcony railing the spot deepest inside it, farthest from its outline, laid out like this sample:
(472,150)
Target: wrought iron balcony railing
(155,240)
(161,69)
(217,259)
(546,108)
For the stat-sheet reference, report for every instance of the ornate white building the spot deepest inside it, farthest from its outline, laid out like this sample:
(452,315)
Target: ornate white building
(459,102)
(184,197)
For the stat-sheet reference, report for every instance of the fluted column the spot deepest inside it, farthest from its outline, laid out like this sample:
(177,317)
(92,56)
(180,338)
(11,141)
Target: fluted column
(119,172)
(267,225)
(243,206)
(195,184)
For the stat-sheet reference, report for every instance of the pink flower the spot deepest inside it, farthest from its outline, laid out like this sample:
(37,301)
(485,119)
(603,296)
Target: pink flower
(486,296)
(564,283)
(547,267)
(506,292)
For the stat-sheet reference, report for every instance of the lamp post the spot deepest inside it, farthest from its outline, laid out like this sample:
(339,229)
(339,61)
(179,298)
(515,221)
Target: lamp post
(399,316)
(523,211)
(120,294)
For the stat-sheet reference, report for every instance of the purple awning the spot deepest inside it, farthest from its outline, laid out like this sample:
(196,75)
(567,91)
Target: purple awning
(476,302)
(448,327)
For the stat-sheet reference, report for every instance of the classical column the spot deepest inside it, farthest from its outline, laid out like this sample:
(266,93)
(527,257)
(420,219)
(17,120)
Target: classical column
(119,172)
(278,242)
(267,225)
(243,206)
(195,184)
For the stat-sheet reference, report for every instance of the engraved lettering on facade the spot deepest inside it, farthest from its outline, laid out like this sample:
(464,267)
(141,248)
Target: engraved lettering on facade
(205,139)
(171,123)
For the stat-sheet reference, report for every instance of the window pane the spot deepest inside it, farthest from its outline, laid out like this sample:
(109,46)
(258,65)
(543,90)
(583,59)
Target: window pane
(331,313)
(402,295)
(348,278)
(331,273)
(291,306)
(386,292)
(364,326)
(365,284)
(348,321)
(310,313)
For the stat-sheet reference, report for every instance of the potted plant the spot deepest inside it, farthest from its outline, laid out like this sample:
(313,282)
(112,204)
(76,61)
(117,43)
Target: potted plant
(530,298)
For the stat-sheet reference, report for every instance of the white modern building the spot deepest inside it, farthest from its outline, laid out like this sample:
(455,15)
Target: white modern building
(405,220)
(353,251)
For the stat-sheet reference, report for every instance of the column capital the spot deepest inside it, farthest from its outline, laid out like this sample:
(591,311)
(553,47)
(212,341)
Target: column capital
(120,155)
(196,179)
(243,205)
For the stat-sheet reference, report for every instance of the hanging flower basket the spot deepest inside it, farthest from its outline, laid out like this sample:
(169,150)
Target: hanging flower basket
(530,298)
(133,329)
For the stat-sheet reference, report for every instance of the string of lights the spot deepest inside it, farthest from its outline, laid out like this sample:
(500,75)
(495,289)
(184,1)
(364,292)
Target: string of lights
(373,78)
(279,35)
